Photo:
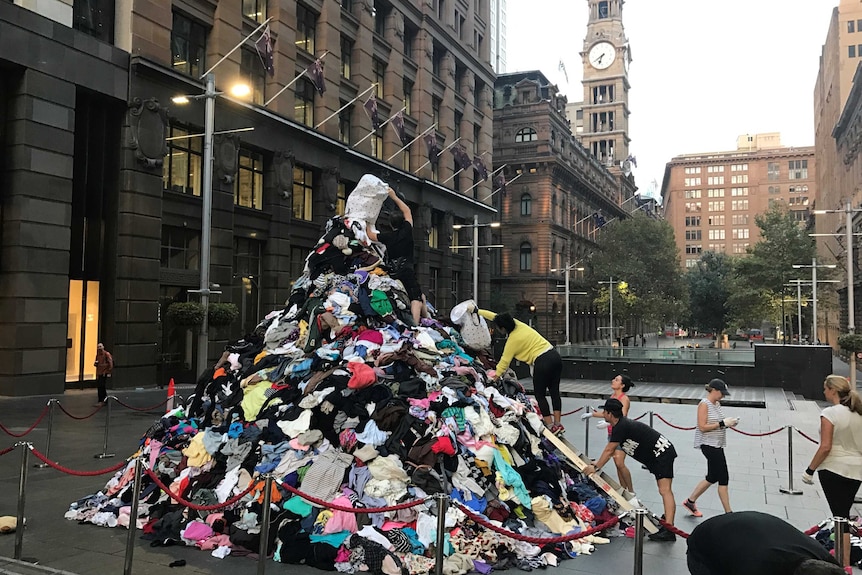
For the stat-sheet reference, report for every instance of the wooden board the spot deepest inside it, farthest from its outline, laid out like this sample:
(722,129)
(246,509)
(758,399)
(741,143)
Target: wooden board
(602,480)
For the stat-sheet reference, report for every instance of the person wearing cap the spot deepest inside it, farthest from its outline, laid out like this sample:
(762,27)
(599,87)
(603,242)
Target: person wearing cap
(620,385)
(755,543)
(647,446)
(104,370)
(838,459)
(710,436)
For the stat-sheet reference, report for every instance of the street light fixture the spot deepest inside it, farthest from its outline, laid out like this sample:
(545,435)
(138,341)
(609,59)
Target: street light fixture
(611,284)
(569,267)
(476,225)
(814,265)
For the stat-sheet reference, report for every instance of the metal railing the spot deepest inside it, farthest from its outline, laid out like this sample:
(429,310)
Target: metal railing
(686,355)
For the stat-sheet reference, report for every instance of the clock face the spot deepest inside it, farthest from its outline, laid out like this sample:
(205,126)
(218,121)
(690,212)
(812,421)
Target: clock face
(602,55)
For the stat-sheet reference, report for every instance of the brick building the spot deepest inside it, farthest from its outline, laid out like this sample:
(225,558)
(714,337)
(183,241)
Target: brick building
(101,197)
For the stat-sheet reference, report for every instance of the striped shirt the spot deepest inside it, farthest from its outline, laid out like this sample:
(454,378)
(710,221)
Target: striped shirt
(717,437)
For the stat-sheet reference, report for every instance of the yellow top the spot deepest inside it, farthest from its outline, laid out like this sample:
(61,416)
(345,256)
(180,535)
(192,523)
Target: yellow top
(524,344)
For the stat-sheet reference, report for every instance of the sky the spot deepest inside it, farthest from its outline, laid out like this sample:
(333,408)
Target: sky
(702,73)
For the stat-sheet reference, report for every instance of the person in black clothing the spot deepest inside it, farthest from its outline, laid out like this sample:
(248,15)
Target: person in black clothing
(399,253)
(647,446)
(754,543)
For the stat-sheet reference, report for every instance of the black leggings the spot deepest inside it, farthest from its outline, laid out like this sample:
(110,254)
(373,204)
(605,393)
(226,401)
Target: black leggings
(716,465)
(546,380)
(839,491)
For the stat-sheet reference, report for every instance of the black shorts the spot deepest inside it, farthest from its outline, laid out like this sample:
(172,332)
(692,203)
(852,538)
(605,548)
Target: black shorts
(839,492)
(662,467)
(716,465)
(407,276)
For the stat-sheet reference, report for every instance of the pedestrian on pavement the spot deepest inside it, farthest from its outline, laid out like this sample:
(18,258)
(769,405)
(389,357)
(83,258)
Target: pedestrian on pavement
(647,446)
(838,460)
(643,340)
(620,385)
(104,369)
(527,345)
(710,436)
(755,543)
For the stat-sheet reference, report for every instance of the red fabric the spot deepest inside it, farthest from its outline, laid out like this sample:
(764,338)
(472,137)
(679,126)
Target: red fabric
(443,445)
(363,375)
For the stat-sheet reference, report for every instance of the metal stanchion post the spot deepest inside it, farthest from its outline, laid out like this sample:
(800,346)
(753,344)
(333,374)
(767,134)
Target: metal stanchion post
(263,550)
(789,489)
(441,534)
(22,484)
(640,516)
(105,454)
(650,419)
(587,433)
(840,531)
(133,517)
(51,403)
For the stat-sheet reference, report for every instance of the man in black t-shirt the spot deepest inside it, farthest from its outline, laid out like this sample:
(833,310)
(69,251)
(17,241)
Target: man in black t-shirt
(399,254)
(754,543)
(647,446)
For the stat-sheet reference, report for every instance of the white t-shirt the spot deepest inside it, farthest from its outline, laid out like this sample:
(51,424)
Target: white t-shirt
(845,458)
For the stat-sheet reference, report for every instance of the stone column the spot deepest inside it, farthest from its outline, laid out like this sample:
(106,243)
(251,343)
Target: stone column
(276,278)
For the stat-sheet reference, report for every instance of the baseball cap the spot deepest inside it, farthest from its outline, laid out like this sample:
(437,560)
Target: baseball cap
(612,405)
(719,385)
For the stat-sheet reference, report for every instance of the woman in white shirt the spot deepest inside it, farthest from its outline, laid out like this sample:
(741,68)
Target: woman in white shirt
(838,460)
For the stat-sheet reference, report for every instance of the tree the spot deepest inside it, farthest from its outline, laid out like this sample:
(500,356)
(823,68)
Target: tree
(642,252)
(709,288)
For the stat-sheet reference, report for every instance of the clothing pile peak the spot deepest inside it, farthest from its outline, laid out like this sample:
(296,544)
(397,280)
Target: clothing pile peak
(341,396)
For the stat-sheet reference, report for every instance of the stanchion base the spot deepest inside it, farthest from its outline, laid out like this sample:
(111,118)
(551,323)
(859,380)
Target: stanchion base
(789,491)
(41,465)
(104,455)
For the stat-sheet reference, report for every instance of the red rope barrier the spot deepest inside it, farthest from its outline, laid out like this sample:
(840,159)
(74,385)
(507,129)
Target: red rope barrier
(31,428)
(773,432)
(808,437)
(68,471)
(196,507)
(63,409)
(639,417)
(812,530)
(672,425)
(673,529)
(328,505)
(7,450)
(572,412)
(133,408)
(535,540)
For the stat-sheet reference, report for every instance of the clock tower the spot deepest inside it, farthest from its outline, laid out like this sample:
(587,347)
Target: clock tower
(606,57)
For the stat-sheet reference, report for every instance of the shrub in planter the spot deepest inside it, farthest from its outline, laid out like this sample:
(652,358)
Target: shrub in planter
(222,314)
(850,342)
(186,314)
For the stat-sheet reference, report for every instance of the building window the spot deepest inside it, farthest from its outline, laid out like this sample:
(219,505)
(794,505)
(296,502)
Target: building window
(407,88)
(180,248)
(252,71)
(434,232)
(181,171)
(695,234)
(249,180)
(692,206)
(405,156)
(715,193)
(774,190)
(409,41)
(740,219)
(478,90)
(346,55)
(441,10)
(246,272)
(254,10)
(437,60)
(303,104)
(341,199)
(378,74)
(716,220)
(344,126)
(715,181)
(740,233)
(380,14)
(306,23)
(773,171)
(691,182)
(851,51)
(526,205)
(477,135)
(693,248)
(376,146)
(94,18)
(738,192)
(456,283)
(303,183)
(715,234)
(739,205)
(603,9)
(797,169)
(433,282)
(188,46)
(693,194)
(850,26)
(693,170)
(692,221)
(435,110)
(526,135)
(526,259)
(717,206)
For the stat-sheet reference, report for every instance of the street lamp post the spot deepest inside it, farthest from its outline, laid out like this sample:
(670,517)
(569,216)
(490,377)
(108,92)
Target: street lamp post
(611,284)
(814,265)
(569,267)
(206,225)
(475,248)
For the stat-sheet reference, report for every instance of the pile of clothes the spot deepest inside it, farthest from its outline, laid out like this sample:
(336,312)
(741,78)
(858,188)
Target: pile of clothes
(341,396)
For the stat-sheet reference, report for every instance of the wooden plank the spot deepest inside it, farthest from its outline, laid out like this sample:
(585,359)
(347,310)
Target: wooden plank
(602,480)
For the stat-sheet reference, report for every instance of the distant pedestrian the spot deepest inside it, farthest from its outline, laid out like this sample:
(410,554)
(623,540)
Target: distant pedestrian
(647,446)
(104,369)
(620,385)
(838,460)
(710,436)
(755,543)
(643,340)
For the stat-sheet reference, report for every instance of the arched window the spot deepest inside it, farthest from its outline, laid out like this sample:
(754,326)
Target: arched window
(526,135)
(554,208)
(526,257)
(526,205)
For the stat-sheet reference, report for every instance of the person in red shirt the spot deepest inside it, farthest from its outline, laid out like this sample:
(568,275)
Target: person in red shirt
(104,368)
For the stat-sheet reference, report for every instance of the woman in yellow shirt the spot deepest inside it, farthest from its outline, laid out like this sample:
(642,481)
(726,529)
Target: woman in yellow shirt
(526,344)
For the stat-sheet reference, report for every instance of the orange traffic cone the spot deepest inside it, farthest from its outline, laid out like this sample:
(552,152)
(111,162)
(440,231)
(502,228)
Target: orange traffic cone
(171,393)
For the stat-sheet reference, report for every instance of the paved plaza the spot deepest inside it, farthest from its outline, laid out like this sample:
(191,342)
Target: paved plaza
(758,467)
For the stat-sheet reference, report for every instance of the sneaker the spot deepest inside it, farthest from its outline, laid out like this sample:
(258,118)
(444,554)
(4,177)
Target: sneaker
(848,569)
(558,429)
(663,534)
(692,508)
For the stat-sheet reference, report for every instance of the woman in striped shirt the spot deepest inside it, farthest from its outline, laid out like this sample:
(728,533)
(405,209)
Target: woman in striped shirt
(710,436)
